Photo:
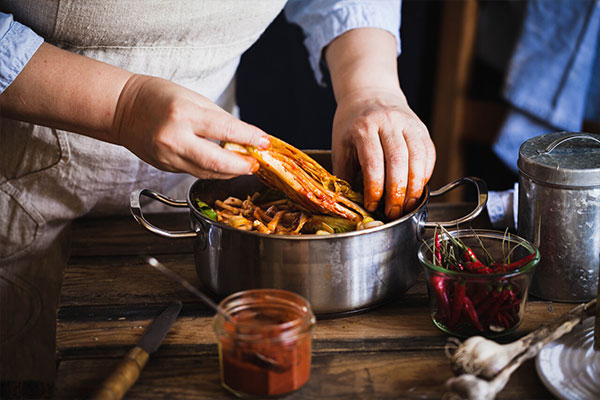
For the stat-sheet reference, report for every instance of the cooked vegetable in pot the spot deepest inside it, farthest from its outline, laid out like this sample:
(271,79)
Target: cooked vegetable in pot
(272,213)
(304,197)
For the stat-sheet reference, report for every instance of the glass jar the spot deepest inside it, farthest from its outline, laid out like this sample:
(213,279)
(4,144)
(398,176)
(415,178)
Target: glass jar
(489,304)
(267,352)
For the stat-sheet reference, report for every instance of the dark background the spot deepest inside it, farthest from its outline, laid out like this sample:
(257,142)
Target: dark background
(277,90)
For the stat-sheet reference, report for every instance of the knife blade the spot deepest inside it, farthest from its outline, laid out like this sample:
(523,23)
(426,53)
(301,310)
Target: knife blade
(130,368)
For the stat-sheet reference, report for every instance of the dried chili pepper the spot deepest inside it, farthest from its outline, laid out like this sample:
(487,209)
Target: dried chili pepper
(458,302)
(488,302)
(510,306)
(478,267)
(479,295)
(508,317)
(493,311)
(502,321)
(472,313)
(438,284)
(438,248)
(517,264)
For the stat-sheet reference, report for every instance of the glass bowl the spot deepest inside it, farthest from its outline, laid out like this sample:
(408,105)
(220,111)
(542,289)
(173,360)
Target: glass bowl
(484,298)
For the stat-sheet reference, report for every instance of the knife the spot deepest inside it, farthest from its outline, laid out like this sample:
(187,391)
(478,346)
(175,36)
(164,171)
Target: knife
(128,371)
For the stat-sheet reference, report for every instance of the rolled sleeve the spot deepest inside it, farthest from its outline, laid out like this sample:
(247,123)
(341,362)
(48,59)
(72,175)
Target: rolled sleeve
(324,20)
(18,43)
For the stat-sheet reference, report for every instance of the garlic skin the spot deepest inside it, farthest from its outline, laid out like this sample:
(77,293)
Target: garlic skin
(483,357)
(469,387)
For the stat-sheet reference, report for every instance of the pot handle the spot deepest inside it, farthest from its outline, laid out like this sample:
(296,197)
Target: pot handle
(136,211)
(563,139)
(482,196)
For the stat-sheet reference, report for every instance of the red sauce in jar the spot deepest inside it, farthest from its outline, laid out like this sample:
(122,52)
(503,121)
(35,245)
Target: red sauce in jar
(268,351)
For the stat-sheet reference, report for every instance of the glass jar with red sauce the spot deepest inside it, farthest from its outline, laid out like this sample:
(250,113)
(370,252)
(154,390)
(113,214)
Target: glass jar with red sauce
(267,352)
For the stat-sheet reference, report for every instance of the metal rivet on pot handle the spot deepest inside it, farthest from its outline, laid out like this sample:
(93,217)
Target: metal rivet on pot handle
(136,211)
(482,196)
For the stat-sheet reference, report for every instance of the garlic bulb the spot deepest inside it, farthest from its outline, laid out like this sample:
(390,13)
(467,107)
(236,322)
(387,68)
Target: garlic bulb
(483,357)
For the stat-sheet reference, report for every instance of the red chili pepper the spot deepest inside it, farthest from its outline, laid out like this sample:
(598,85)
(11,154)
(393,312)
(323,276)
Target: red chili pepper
(503,321)
(472,314)
(468,255)
(479,295)
(438,248)
(493,311)
(508,317)
(477,268)
(438,285)
(458,302)
(510,306)
(519,263)
(488,302)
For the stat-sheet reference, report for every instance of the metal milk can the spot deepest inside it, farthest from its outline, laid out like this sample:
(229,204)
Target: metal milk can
(559,211)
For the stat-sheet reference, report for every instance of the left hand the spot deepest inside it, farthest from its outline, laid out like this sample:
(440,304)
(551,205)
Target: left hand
(375,129)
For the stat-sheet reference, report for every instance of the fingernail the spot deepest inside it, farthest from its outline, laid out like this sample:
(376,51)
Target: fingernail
(255,167)
(264,143)
(394,212)
(411,204)
(372,206)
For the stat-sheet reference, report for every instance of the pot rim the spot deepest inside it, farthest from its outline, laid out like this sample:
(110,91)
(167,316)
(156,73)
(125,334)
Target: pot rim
(196,213)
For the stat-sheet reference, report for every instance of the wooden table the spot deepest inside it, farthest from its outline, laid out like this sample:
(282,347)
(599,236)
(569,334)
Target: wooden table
(109,297)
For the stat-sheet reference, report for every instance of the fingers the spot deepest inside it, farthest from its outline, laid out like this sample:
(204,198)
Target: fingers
(395,154)
(418,153)
(222,126)
(371,159)
(396,163)
(344,162)
(203,158)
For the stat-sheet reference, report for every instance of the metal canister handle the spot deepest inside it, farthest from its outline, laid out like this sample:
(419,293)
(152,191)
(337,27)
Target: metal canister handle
(564,139)
(136,210)
(482,196)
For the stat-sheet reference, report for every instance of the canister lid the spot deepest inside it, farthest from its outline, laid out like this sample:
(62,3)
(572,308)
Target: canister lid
(562,158)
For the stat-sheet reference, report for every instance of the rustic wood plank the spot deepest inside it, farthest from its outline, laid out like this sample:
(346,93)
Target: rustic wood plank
(362,375)
(110,296)
(124,280)
(122,235)
(397,326)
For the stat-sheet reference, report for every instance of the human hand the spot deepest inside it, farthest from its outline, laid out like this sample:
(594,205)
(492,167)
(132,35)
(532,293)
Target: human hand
(174,129)
(376,130)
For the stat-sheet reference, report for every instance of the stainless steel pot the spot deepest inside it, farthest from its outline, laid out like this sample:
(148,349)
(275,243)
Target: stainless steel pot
(337,273)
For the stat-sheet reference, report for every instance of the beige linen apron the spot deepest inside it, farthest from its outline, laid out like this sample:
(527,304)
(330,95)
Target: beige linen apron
(48,177)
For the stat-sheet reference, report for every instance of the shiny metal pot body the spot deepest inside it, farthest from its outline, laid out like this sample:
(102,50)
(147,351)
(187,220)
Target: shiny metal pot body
(337,273)
(559,211)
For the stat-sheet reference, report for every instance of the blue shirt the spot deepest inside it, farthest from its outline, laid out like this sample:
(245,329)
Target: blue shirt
(17,45)
(553,81)
(321,20)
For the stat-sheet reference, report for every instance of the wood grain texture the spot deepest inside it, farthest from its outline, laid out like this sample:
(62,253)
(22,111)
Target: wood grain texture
(357,375)
(110,297)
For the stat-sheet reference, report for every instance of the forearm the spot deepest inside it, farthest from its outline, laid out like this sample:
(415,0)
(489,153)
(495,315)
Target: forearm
(66,91)
(360,59)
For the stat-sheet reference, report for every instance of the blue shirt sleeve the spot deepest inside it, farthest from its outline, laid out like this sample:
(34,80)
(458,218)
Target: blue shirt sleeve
(17,45)
(324,20)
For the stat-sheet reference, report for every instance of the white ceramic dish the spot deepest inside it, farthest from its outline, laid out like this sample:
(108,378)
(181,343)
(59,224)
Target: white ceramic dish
(569,366)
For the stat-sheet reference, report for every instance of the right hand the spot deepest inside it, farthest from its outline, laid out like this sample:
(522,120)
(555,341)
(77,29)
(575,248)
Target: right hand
(175,130)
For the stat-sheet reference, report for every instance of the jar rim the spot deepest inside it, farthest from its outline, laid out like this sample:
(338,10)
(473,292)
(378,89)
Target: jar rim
(255,299)
(488,233)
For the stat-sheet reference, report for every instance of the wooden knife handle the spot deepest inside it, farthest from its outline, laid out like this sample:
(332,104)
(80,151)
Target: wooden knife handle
(124,376)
